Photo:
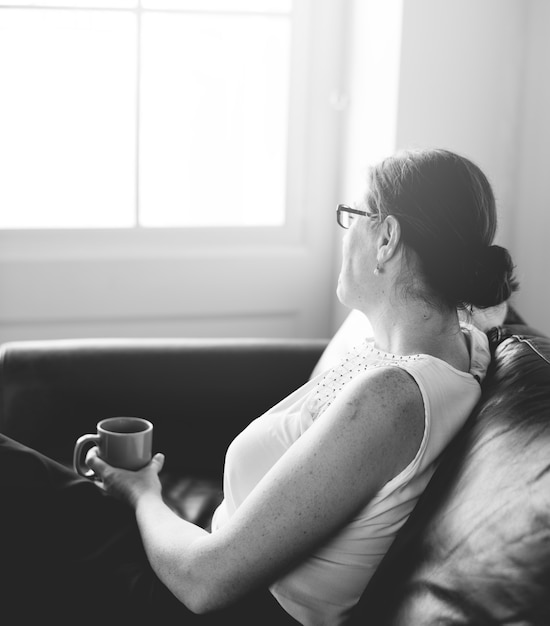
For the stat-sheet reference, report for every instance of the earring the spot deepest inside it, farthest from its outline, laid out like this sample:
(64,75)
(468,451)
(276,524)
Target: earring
(377,269)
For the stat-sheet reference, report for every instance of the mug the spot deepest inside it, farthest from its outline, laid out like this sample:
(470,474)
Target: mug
(124,442)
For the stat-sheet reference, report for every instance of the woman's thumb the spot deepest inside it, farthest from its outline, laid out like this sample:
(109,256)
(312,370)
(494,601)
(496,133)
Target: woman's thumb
(158,461)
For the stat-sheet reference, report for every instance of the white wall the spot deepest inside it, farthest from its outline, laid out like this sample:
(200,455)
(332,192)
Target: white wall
(372,62)
(461,86)
(531,243)
(473,78)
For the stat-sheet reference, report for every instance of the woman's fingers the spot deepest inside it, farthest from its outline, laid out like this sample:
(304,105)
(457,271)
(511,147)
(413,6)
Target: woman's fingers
(94,462)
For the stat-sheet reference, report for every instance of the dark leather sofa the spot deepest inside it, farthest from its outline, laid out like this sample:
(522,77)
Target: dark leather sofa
(476,549)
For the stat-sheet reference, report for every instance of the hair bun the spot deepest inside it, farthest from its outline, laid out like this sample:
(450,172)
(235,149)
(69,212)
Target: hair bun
(490,278)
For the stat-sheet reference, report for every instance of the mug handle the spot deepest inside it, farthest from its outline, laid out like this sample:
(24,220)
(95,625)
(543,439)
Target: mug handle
(82,445)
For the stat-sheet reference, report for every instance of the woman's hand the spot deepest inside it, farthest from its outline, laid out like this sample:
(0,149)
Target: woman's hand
(127,485)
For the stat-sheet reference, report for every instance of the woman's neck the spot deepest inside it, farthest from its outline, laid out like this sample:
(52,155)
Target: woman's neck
(413,327)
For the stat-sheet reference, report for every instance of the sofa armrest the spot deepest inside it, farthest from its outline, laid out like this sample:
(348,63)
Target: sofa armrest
(199,393)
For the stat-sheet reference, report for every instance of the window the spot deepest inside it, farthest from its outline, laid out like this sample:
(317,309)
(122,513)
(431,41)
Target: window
(157,114)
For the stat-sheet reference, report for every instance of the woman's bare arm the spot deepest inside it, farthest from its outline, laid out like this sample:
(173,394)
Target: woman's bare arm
(365,438)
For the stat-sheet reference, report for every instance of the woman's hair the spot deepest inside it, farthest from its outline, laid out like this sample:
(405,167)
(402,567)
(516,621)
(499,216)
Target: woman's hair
(446,210)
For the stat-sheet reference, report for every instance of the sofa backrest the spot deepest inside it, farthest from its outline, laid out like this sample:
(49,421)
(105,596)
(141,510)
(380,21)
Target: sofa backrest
(476,549)
(200,393)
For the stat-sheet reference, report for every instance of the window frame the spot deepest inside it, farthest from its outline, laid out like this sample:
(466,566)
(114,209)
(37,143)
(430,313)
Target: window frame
(54,243)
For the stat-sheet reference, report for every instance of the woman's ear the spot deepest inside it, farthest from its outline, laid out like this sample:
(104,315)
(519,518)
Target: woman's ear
(389,238)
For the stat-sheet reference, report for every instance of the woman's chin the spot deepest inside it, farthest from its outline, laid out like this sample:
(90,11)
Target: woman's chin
(341,294)
(339,291)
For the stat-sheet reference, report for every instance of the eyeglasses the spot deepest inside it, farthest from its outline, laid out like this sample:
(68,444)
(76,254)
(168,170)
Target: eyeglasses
(345,215)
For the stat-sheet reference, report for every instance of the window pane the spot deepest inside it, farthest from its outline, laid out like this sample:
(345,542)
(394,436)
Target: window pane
(213,120)
(88,4)
(67,119)
(253,6)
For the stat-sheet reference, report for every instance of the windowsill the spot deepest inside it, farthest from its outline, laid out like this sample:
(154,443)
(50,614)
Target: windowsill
(34,245)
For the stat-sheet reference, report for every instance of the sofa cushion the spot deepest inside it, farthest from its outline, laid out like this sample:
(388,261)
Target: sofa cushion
(476,549)
(193,497)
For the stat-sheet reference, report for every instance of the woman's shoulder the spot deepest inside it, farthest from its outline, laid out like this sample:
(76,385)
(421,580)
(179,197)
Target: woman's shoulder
(391,380)
(384,407)
(385,394)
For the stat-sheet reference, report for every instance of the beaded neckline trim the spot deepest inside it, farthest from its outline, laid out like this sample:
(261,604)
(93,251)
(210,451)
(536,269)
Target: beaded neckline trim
(363,357)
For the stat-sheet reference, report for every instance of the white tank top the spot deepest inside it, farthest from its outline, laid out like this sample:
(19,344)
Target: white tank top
(326,585)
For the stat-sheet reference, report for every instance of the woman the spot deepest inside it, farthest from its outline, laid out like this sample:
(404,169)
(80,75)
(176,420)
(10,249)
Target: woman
(316,489)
